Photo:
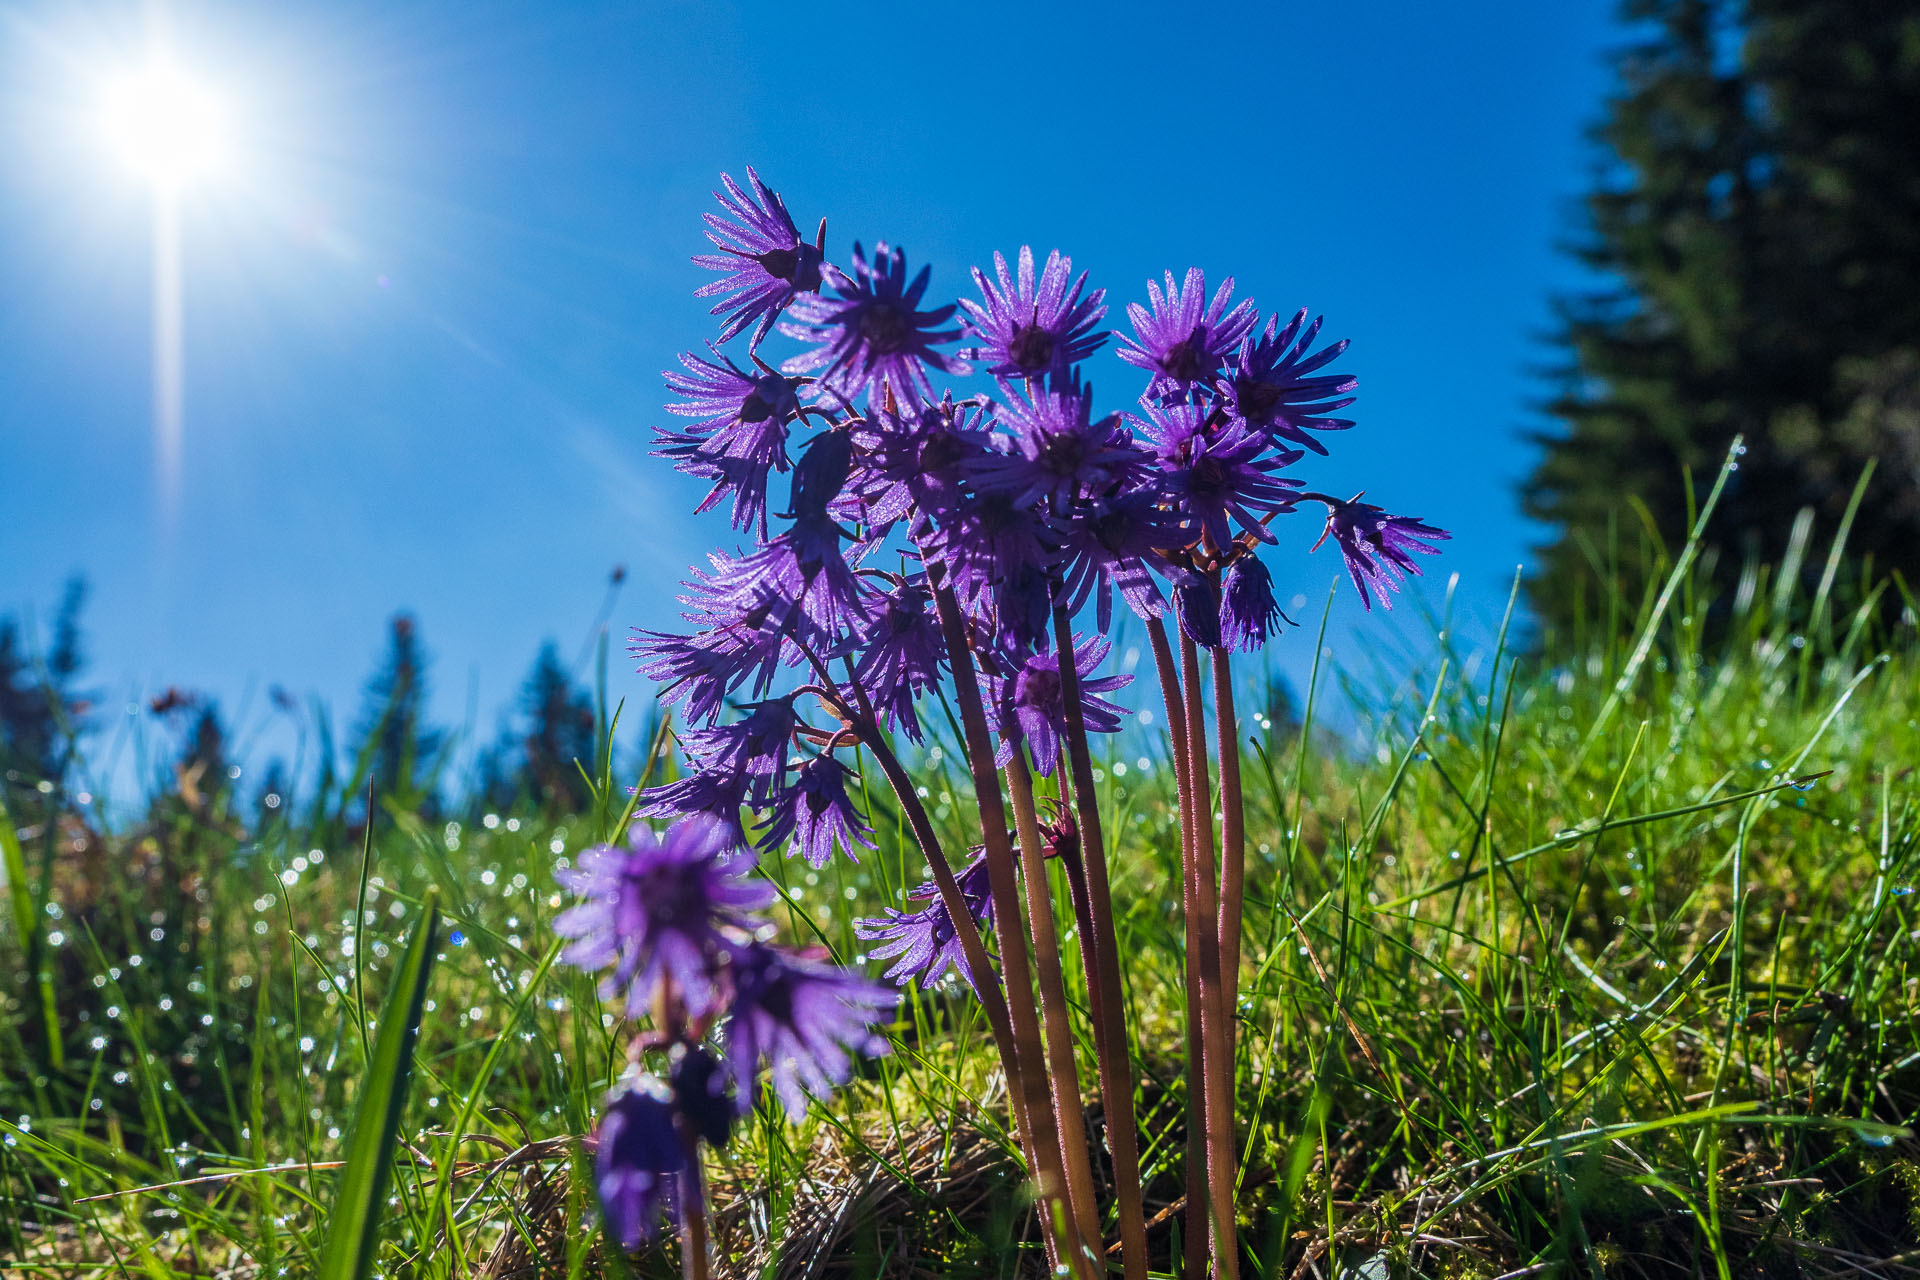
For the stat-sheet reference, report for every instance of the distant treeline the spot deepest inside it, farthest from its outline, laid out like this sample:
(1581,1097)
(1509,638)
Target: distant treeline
(1756,219)
(48,713)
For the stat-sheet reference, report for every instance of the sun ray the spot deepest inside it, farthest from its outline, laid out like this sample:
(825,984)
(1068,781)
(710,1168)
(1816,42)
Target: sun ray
(167,127)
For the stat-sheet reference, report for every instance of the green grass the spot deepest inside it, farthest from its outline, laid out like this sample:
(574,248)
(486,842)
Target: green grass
(1603,965)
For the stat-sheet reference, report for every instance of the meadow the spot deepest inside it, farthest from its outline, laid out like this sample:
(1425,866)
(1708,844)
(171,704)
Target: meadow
(1595,958)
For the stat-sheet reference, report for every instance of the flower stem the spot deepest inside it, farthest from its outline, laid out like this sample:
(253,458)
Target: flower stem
(1217,1065)
(867,729)
(1049,1170)
(1062,1069)
(1099,952)
(1233,842)
(979,963)
(693,1233)
(1196,1214)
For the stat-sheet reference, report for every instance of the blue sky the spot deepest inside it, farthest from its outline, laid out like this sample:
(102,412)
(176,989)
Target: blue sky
(427,300)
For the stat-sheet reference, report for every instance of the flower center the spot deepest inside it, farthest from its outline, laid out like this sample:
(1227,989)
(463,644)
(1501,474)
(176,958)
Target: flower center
(672,896)
(1040,689)
(1257,399)
(1111,531)
(1209,476)
(1062,454)
(885,327)
(995,515)
(1031,350)
(770,395)
(1188,360)
(939,452)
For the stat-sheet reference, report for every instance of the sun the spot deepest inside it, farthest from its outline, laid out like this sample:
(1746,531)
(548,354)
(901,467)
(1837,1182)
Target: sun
(165,125)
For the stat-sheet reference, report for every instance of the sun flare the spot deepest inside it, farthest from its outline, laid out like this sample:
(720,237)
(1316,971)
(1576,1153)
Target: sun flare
(165,125)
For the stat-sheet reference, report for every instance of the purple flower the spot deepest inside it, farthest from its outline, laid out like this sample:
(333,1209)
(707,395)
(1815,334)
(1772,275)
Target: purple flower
(742,435)
(991,540)
(641,1168)
(710,789)
(1216,472)
(1059,452)
(756,743)
(732,765)
(655,910)
(1270,388)
(817,813)
(1031,707)
(915,459)
(801,1016)
(1017,608)
(1111,542)
(923,944)
(1029,329)
(805,565)
(1196,607)
(820,475)
(768,265)
(748,632)
(1376,544)
(902,654)
(1185,339)
(875,333)
(699,1085)
(1248,611)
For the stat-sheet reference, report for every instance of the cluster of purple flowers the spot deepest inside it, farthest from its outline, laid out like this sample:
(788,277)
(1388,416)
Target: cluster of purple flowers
(1017,501)
(922,529)
(670,918)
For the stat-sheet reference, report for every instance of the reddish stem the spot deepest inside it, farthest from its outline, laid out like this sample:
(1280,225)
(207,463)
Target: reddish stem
(1217,1070)
(1233,843)
(1049,1166)
(1100,954)
(1062,1069)
(1196,1211)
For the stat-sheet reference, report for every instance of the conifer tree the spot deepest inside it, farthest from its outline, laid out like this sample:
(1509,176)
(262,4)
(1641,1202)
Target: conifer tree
(539,757)
(393,736)
(561,732)
(1757,223)
(40,710)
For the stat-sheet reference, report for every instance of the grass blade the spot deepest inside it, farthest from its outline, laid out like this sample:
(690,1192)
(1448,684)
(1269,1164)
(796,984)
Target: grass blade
(353,1232)
(26,920)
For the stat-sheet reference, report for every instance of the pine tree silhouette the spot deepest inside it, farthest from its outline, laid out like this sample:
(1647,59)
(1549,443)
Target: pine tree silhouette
(539,756)
(398,748)
(41,712)
(1757,220)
